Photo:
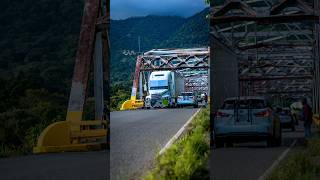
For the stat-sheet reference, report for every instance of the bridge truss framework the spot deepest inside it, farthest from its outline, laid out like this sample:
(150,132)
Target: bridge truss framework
(192,64)
(277,45)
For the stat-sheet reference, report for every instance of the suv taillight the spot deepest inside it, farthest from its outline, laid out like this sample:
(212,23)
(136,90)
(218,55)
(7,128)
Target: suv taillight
(266,113)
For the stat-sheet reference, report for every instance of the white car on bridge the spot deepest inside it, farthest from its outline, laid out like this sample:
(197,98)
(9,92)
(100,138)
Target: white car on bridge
(247,118)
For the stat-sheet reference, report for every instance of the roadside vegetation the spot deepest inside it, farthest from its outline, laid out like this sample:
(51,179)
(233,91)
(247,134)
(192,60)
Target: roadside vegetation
(187,158)
(302,164)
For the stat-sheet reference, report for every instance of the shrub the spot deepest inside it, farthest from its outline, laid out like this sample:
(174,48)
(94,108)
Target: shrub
(187,158)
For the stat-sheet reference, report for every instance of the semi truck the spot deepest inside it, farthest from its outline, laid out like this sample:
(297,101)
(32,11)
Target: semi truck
(164,87)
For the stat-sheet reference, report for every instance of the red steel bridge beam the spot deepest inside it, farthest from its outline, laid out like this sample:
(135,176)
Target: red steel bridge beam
(83,60)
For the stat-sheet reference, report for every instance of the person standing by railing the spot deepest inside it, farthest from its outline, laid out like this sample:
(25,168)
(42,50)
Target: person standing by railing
(306,117)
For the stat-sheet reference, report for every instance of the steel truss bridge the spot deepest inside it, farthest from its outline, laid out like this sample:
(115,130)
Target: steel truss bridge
(276,43)
(192,64)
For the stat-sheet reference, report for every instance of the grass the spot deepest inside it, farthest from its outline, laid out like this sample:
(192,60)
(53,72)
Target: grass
(187,158)
(303,164)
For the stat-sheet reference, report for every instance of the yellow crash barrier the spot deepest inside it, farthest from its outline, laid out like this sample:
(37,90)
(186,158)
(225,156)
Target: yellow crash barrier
(132,104)
(316,119)
(72,136)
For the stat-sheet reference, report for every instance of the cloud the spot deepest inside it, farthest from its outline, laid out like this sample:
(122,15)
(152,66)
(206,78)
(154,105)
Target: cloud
(121,9)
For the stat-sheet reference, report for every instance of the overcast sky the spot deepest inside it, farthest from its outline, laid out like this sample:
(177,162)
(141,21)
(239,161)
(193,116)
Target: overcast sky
(122,9)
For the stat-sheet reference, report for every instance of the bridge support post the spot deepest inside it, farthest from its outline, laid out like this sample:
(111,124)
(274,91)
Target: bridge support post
(74,134)
(140,86)
(98,77)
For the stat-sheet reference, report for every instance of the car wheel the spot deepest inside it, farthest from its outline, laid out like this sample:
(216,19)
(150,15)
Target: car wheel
(279,138)
(271,141)
(278,141)
(229,144)
(218,143)
(275,141)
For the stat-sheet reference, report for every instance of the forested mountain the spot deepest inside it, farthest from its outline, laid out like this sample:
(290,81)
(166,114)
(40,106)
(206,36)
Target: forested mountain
(154,32)
(38,43)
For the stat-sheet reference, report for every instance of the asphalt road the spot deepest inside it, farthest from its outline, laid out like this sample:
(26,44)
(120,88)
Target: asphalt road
(62,166)
(248,161)
(136,137)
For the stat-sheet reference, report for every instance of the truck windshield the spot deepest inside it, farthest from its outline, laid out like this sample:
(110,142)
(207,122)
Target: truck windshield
(158,84)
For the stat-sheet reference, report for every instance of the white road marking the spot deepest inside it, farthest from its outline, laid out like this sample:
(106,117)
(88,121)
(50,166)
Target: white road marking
(277,161)
(178,134)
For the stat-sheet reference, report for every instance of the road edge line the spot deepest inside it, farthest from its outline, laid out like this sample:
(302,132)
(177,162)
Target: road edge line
(277,161)
(179,133)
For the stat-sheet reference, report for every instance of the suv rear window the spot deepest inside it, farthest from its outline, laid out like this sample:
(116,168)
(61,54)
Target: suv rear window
(244,104)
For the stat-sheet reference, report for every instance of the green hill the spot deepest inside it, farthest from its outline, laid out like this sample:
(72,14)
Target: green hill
(154,32)
(193,33)
(38,42)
